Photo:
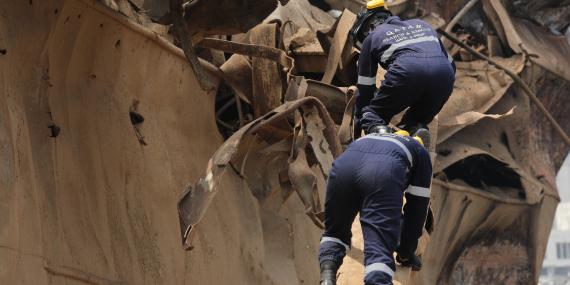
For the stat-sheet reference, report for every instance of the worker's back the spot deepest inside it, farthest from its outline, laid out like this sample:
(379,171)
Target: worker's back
(396,37)
(374,155)
(370,178)
(420,75)
(403,148)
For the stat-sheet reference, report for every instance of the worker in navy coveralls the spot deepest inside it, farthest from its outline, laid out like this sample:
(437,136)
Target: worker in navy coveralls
(370,178)
(419,72)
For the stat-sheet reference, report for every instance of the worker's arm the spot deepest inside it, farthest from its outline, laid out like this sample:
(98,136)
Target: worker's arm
(417,203)
(367,68)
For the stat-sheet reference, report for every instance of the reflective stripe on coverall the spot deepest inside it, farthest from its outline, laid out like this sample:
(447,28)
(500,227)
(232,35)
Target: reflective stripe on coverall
(371,177)
(420,74)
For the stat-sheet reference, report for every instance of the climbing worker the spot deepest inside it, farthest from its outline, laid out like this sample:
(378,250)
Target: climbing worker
(370,178)
(419,72)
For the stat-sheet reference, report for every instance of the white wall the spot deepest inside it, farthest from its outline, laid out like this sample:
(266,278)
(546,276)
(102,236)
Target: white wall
(561,227)
(563,180)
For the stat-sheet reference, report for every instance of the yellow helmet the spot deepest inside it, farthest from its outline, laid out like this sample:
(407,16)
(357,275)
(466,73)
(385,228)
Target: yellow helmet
(419,140)
(374,4)
(405,133)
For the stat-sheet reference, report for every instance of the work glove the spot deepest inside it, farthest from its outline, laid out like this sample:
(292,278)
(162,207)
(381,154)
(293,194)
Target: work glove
(413,261)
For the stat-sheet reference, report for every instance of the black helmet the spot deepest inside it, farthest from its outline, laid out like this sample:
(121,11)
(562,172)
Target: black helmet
(365,19)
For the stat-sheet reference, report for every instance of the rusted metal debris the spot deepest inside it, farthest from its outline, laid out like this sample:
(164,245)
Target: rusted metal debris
(520,35)
(311,123)
(517,79)
(287,73)
(286,69)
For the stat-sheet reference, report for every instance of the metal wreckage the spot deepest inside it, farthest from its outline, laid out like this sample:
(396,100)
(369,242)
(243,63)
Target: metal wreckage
(249,114)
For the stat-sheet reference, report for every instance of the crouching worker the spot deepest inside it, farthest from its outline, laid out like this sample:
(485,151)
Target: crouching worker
(370,178)
(419,72)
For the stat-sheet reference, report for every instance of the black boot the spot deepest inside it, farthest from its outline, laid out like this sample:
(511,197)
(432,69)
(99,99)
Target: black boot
(413,261)
(381,129)
(328,272)
(418,130)
(424,135)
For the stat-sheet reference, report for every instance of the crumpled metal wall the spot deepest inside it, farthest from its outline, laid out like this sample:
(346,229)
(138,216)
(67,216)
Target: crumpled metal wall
(104,194)
(93,205)
(467,218)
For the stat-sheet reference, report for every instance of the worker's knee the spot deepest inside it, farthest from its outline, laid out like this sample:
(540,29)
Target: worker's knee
(378,274)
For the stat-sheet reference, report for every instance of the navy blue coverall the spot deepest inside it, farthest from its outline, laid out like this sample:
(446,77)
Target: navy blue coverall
(420,74)
(371,177)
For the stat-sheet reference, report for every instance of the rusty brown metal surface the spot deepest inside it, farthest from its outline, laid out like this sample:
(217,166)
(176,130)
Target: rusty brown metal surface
(338,45)
(225,17)
(551,51)
(319,126)
(269,79)
(477,102)
(96,201)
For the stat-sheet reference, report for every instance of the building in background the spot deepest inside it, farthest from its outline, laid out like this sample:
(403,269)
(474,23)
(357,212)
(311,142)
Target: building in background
(556,266)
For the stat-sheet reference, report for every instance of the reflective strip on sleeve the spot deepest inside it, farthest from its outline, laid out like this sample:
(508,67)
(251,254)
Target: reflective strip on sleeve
(388,53)
(378,267)
(335,240)
(418,191)
(397,142)
(363,80)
